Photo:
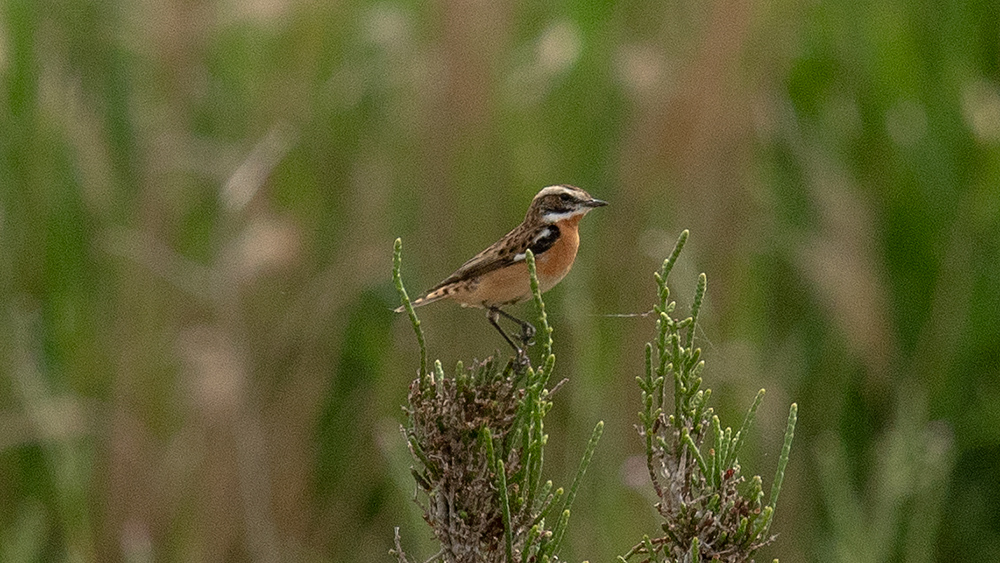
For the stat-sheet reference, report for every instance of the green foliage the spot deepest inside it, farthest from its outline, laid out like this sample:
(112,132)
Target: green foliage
(397,260)
(839,160)
(478,439)
(710,513)
(914,458)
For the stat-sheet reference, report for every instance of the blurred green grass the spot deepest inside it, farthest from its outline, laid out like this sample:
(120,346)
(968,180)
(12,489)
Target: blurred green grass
(198,202)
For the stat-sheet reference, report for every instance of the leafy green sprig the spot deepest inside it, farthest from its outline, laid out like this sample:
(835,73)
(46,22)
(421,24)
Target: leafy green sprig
(478,441)
(710,511)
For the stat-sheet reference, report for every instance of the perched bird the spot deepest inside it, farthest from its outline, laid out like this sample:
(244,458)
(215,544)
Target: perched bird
(498,276)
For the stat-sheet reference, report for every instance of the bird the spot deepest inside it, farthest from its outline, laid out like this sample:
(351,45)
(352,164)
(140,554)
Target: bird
(498,276)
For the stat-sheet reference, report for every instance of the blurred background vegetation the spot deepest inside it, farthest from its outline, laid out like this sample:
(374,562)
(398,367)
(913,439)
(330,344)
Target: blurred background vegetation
(199,199)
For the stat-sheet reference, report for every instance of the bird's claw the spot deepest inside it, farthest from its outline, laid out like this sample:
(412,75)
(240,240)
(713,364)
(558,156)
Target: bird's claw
(528,334)
(522,359)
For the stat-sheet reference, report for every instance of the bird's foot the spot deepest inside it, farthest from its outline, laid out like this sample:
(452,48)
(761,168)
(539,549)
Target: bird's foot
(522,359)
(528,334)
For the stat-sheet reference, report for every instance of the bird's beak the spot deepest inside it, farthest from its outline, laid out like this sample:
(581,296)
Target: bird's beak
(595,203)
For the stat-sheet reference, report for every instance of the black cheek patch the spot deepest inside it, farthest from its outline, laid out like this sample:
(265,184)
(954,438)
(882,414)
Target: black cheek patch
(546,241)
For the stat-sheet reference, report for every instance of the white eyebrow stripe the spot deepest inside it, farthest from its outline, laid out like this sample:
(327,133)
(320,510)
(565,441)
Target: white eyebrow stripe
(551,190)
(519,257)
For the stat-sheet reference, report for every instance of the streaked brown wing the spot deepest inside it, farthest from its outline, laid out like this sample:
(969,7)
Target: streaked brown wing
(500,254)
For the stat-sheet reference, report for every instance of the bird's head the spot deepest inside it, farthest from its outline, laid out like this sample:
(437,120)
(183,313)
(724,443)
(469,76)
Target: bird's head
(557,203)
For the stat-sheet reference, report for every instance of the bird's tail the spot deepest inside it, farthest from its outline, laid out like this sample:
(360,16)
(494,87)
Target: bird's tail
(430,297)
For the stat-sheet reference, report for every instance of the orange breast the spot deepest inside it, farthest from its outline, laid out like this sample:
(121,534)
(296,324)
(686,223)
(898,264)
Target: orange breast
(553,265)
(512,285)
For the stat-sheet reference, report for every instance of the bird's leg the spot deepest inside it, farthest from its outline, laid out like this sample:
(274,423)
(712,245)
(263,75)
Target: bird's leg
(527,329)
(493,314)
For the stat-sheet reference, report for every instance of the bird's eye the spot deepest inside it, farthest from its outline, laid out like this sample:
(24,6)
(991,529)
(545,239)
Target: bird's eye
(565,197)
